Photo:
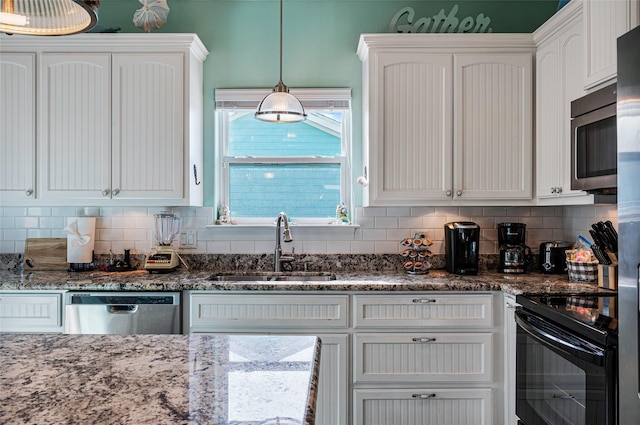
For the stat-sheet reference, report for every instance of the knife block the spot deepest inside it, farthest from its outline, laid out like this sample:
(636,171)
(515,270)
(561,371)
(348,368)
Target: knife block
(608,276)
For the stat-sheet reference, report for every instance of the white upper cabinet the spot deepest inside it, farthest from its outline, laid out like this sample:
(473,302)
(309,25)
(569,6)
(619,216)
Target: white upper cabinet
(604,22)
(560,74)
(119,118)
(447,118)
(18,128)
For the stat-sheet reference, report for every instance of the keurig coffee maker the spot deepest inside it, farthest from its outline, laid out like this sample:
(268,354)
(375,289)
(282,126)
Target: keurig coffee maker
(461,241)
(515,256)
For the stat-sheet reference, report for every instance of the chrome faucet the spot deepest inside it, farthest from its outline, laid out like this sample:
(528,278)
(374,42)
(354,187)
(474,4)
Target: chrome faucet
(286,234)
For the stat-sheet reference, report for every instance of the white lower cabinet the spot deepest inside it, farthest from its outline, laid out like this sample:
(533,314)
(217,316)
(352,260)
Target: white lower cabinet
(23,311)
(424,359)
(323,315)
(386,358)
(424,406)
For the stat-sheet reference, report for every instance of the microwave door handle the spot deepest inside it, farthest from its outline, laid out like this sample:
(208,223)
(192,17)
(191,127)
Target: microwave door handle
(545,337)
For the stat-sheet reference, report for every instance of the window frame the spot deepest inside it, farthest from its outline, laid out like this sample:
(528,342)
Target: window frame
(313,99)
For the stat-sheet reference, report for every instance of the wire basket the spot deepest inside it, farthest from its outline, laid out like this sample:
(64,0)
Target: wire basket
(583,272)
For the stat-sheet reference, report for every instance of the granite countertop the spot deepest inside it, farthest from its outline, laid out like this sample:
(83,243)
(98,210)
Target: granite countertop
(180,279)
(158,379)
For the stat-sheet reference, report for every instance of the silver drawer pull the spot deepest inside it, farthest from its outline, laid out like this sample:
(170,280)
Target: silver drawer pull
(422,300)
(423,395)
(423,340)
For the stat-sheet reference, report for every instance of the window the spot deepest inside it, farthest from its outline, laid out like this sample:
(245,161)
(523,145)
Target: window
(300,168)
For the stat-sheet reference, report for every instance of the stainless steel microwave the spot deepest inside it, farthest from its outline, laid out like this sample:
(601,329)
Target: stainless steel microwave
(594,147)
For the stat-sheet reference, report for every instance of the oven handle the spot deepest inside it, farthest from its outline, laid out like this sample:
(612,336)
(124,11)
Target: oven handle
(555,339)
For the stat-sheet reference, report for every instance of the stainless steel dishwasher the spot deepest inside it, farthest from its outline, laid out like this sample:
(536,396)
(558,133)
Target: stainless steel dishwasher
(122,313)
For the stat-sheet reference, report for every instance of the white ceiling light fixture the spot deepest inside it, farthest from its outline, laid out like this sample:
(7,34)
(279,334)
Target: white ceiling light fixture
(48,17)
(280,106)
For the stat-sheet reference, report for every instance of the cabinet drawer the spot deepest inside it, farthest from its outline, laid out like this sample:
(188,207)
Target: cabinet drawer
(423,357)
(264,311)
(422,310)
(423,406)
(31,312)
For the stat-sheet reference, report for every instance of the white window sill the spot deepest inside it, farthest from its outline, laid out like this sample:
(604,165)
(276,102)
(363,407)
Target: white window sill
(292,225)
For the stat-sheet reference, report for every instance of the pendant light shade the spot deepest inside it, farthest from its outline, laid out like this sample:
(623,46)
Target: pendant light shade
(280,106)
(47,17)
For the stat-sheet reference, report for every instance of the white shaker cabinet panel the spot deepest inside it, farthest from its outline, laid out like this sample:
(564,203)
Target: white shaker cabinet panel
(424,406)
(31,312)
(18,128)
(423,357)
(148,104)
(447,118)
(493,131)
(560,74)
(74,148)
(604,22)
(412,134)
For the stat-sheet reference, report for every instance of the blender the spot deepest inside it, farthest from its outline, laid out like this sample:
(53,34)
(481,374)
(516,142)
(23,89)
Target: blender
(164,258)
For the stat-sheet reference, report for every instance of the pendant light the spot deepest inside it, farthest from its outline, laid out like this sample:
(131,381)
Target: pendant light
(47,17)
(280,106)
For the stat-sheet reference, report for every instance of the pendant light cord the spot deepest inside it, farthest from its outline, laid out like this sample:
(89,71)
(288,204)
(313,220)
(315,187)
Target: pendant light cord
(281,41)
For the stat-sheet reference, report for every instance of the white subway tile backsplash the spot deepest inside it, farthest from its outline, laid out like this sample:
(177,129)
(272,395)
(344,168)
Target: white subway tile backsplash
(39,211)
(27,222)
(380,228)
(14,212)
(53,222)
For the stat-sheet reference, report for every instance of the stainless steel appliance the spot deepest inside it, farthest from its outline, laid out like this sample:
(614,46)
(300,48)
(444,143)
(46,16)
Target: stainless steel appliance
(593,147)
(462,247)
(629,223)
(566,359)
(515,255)
(164,258)
(552,257)
(122,313)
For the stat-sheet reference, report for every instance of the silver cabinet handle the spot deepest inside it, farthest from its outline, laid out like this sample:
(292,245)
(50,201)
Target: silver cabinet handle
(509,305)
(28,192)
(423,300)
(106,192)
(459,193)
(423,340)
(553,190)
(448,193)
(558,190)
(115,192)
(423,395)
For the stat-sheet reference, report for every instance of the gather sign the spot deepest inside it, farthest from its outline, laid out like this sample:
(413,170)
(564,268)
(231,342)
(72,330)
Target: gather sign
(404,22)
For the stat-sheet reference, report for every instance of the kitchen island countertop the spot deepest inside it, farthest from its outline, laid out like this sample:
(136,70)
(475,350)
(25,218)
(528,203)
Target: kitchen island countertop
(158,379)
(435,280)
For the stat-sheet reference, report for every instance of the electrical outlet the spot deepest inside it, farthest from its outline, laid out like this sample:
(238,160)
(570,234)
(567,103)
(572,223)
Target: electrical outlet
(188,239)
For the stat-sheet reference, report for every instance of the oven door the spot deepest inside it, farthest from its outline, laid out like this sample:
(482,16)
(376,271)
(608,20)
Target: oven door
(562,379)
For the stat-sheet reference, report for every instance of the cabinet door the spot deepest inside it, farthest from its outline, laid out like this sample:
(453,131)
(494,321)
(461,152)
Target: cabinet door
(604,22)
(548,120)
(333,382)
(409,128)
(74,142)
(423,357)
(493,126)
(148,111)
(422,310)
(33,312)
(18,131)
(509,360)
(213,313)
(425,406)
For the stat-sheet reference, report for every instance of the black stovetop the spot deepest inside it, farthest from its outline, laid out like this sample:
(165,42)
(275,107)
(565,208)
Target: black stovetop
(593,316)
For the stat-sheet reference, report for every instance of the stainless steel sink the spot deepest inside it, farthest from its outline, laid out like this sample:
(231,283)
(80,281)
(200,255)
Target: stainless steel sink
(273,277)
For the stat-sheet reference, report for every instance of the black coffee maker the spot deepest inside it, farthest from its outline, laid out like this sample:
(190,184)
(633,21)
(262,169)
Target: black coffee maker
(515,256)
(461,241)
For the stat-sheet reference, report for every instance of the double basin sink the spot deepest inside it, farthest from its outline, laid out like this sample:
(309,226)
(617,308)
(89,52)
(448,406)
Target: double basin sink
(272,277)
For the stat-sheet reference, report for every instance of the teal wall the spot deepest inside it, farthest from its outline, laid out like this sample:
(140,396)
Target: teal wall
(320,41)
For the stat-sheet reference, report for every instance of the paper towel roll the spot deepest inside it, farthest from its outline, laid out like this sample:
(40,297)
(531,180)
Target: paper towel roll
(80,239)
